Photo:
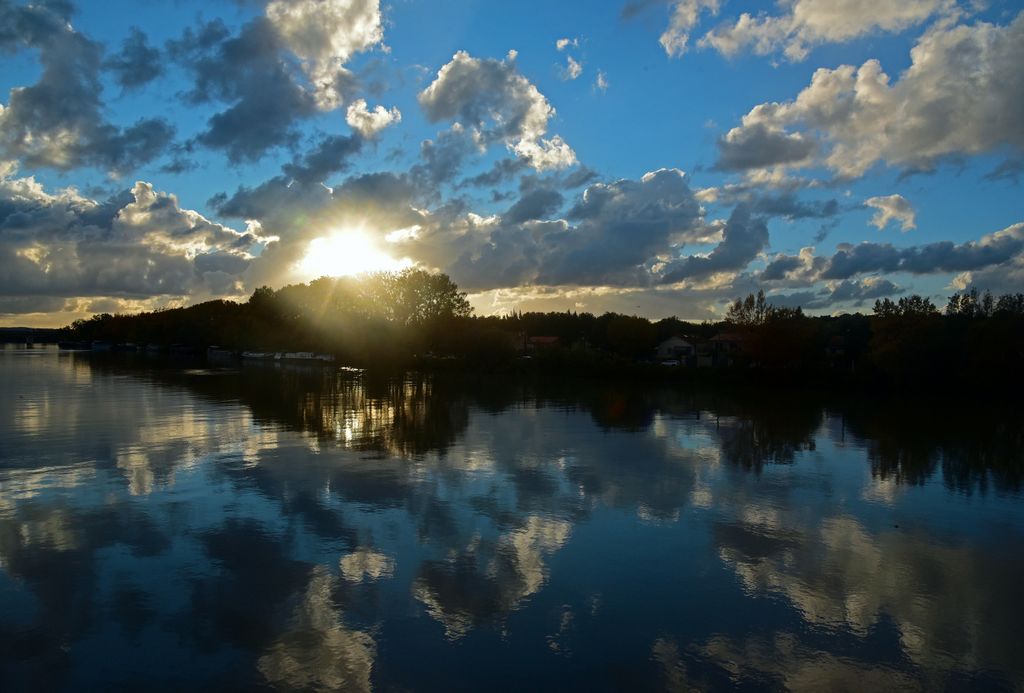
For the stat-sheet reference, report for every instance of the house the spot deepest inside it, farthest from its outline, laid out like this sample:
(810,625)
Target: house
(517,341)
(836,346)
(675,348)
(541,342)
(727,346)
(835,352)
(720,350)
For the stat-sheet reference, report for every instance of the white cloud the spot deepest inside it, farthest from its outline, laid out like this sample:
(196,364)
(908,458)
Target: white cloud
(891,208)
(572,69)
(807,23)
(685,15)
(545,154)
(139,244)
(563,43)
(325,34)
(601,82)
(493,97)
(368,123)
(962,94)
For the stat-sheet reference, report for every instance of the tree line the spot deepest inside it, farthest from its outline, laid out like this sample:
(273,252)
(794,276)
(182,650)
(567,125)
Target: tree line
(400,318)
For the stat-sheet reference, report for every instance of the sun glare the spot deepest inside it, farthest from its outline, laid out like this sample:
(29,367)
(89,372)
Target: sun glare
(345,254)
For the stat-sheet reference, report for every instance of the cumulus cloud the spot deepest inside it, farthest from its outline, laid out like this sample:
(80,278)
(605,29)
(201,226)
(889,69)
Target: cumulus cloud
(246,72)
(325,34)
(368,123)
(959,96)
(743,238)
(1001,249)
(58,122)
(943,256)
(808,23)
(253,72)
(685,16)
(758,145)
(563,43)
(494,98)
(539,203)
(1004,278)
(860,290)
(854,293)
(138,244)
(612,235)
(801,269)
(298,211)
(891,208)
(601,81)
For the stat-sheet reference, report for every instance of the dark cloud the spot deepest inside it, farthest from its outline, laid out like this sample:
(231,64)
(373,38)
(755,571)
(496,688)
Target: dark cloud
(743,238)
(329,156)
(442,159)
(610,237)
(247,72)
(855,293)
(501,171)
(860,291)
(179,164)
(137,63)
(58,122)
(278,69)
(1010,169)
(17,305)
(583,175)
(786,205)
(634,7)
(539,203)
(824,230)
(993,255)
(944,256)
(757,146)
(780,266)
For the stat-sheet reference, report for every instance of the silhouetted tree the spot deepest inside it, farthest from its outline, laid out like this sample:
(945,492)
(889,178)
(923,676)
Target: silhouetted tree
(752,310)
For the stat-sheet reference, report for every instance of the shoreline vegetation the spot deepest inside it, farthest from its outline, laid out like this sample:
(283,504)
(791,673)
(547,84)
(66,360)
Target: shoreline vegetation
(415,319)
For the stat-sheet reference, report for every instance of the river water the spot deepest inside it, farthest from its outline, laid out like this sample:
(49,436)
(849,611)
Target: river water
(172,527)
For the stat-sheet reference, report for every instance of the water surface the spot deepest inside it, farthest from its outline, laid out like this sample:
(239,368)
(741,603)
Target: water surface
(167,527)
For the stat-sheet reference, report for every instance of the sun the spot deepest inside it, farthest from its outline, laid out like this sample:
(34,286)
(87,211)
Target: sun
(346,253)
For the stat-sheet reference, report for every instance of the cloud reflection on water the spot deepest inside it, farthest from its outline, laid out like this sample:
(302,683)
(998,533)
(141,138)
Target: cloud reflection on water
(296,521)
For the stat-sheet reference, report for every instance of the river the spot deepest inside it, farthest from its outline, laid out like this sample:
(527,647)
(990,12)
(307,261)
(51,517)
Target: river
(166,526)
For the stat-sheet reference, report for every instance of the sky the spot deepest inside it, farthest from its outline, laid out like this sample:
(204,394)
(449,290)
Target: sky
(649,157)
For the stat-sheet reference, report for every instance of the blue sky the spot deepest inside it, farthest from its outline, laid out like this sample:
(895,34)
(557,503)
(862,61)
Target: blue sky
(668,156)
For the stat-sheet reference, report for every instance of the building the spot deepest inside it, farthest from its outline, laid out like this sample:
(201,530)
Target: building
(720,350)
(675,348)
(542,342)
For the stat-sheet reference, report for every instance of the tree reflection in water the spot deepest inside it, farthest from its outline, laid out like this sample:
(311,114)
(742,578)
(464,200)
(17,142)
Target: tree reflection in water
(329,530)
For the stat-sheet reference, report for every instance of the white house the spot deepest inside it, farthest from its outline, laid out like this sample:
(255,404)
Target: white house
(674,348)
